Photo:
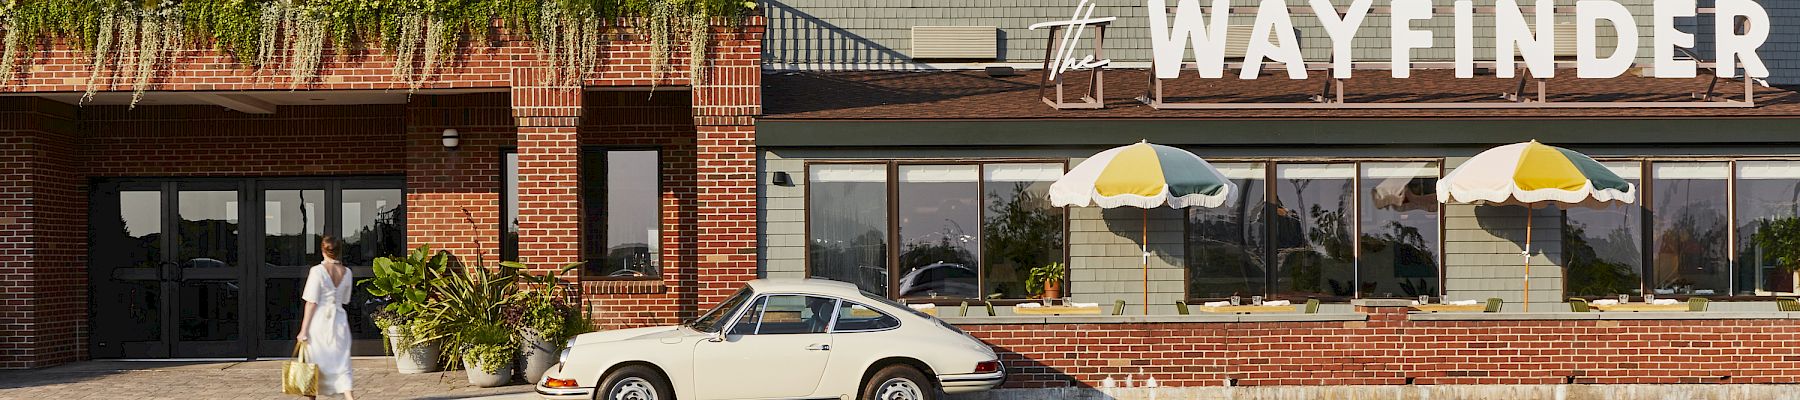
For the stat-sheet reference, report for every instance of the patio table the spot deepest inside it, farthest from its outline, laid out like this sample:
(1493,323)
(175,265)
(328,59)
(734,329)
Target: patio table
(1435,308)
(1636,307)
(1248,309)
(1056,310)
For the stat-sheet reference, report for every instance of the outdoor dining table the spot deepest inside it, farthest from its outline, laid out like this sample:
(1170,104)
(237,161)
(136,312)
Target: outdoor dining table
(1248,309)
(1435,308)
(1636,307)
(1056,310)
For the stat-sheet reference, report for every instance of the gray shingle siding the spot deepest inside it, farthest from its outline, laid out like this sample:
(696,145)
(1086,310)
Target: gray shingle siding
(876,34)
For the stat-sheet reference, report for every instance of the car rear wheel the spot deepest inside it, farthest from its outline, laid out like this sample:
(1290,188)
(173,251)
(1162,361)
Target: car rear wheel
(898,382)
(635,382)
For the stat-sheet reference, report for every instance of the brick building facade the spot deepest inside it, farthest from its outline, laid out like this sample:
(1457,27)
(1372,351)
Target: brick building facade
(356,126)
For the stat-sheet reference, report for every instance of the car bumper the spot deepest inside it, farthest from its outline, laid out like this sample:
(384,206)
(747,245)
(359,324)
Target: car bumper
(969,383)
(549,393)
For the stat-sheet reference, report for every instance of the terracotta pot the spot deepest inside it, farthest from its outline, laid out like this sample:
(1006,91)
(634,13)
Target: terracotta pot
(1053,289)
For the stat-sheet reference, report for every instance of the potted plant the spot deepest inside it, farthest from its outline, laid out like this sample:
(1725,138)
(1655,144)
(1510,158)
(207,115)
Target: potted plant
(488,354)
(545,319)
(467,302)
(403,283)
(1047,280)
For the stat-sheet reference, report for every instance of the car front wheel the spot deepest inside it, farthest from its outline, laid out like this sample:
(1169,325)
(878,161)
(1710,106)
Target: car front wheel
(898,382)
(635,382)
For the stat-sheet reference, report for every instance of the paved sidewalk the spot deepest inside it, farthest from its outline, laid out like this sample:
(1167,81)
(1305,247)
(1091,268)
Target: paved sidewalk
(375,379)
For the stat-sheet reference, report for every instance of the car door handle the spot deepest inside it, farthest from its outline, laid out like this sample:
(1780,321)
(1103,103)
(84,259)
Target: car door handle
(819,347)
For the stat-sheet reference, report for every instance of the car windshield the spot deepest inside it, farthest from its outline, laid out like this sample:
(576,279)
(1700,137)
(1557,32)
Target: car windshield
(714,320)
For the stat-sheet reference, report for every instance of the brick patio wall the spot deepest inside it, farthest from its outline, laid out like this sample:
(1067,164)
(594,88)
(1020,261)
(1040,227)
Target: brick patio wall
(1388,349)
(706,132)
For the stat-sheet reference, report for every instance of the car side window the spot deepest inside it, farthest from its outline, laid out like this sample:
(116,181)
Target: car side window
(852,317)
(786,315)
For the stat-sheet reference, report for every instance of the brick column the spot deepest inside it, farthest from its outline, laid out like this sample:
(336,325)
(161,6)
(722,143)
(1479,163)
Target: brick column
(726,104)
(43,228)
(549,146)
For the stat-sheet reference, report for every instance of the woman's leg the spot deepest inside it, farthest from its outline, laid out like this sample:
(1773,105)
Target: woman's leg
(349,395)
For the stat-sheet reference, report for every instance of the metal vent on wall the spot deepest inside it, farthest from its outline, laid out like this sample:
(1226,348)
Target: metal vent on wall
(955,42)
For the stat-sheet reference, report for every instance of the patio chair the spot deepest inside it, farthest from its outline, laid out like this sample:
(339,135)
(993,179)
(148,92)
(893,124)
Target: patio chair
(1181,307)
(1697,304)
(990,308)
(1312,306)
(1787,305)
(1118,307)
(964,310)
(1577,304)
(1493,305)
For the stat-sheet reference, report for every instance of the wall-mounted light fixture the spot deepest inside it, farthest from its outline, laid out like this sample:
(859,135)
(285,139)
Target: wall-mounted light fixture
(452,138)
(781,179)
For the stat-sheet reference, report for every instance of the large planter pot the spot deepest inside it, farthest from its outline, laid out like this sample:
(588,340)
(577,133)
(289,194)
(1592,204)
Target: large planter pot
(536,355)
(479,376)
(416,359)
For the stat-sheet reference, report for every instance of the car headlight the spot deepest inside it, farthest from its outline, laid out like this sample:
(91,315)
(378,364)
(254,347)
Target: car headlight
(564,357)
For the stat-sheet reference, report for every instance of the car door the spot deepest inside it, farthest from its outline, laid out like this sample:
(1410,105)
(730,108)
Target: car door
(777,349)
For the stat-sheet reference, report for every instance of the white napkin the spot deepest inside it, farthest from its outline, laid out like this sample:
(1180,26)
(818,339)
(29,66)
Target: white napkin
(1217,304)
(1663,291)
(1277,303)
(1664,302)
(1462,303)
(926,306)
(1704,291)
(1029,305)
(1085,305)
(1605,302)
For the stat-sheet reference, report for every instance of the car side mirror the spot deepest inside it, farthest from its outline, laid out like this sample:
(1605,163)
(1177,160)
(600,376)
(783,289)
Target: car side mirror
(716,337)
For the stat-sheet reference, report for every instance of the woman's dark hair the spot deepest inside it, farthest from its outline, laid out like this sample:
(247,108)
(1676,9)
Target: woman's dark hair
(330,246)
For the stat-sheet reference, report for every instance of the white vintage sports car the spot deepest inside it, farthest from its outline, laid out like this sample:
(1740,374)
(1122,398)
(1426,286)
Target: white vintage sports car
(780,339)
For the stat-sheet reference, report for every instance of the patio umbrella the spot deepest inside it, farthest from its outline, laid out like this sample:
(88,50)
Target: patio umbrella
(1532,174)
(1145,176)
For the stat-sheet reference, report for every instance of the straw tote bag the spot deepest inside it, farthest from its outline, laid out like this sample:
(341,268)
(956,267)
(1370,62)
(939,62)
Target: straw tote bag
(298,377)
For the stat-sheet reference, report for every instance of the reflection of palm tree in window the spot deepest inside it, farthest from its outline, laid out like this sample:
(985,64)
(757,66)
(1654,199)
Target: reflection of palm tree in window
(1022,230)
(1689,246)
(1590,274)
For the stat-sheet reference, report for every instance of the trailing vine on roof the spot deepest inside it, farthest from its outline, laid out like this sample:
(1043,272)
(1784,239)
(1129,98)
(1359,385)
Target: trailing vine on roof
(135,39)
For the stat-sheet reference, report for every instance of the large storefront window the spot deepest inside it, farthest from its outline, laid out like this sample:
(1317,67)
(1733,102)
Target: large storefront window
(1331,230)
(623,211)
(1399,222)
(1604,247)
(1225,254)
(1689,242)
(1767,191)
(1315,251)
(959,231)
(848,224)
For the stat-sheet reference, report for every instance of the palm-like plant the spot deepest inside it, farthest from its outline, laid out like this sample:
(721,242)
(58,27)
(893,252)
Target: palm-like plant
(468,299)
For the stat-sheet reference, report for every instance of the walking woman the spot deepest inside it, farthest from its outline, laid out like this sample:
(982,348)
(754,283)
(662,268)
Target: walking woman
(325,329)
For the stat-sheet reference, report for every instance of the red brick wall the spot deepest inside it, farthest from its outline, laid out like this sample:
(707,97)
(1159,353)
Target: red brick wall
(447,189)
(1388,350)
(660,120)
(43,268)
(214,141)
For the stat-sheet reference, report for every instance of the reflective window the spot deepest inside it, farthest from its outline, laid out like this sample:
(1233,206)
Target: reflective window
(1398,218)
(1225,250)
(1020,230)
(291,227)
(509,207)
(848,224)
(786,314)
(208,230)
(1312,229)
(624,213)
(1604,247)
(1690,244)
(142,213)
(938,211)
(374,225)
(852,317)
(1767,191)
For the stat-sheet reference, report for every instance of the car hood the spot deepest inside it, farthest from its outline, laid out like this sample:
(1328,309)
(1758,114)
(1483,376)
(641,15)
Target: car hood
(675,332)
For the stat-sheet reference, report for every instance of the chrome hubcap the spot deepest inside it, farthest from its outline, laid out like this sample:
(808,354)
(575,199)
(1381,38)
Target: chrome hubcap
(899,389)
(633,388)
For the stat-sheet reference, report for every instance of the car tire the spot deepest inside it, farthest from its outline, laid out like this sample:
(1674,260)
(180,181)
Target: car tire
(899,382)
(635,382)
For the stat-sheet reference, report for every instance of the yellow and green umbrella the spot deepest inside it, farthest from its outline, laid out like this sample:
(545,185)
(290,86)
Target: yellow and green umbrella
(1531,174)
(1146,176)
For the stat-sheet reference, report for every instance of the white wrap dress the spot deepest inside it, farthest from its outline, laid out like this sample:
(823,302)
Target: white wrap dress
(329,342)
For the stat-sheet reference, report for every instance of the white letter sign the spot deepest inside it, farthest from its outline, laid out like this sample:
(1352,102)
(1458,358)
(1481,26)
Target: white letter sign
(1405,38)
(1588,14)
(1272,17)
(1341,31)
(1510,31)
(1667,38)
(1734,48)
(1208,38)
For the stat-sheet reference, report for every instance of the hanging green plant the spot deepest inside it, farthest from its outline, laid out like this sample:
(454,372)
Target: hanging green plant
(130,41)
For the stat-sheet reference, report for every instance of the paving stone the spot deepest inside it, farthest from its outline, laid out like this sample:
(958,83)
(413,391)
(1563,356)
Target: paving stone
(375,379)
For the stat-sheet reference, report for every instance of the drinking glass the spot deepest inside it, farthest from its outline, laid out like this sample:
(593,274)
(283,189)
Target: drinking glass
(1235,300)
(1424,299)
(1624,298)
(1256,300)
(1649,297)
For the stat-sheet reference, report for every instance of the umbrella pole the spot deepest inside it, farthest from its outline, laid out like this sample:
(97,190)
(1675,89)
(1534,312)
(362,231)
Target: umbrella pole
(1146,260)
(1528,258)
